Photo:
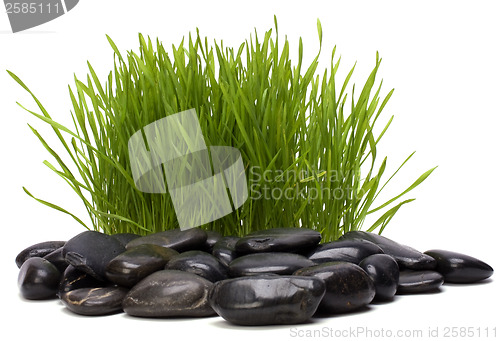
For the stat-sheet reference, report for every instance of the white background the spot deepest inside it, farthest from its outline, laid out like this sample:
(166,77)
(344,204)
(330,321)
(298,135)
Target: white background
(442,58)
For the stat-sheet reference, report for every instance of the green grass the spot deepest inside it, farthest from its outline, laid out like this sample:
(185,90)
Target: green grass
(308,146)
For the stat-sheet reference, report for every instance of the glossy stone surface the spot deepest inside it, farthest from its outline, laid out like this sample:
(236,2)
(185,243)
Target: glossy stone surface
(180,241)
(125,238)
(278,240)
(279,263)
(38,279)
(267,299)
(37,250)
(94,301)
(348,287)
(129,267)
(248,286)
(417,282)
(384,272)
(212,238)
(91,251)
(74,278)
(224,250)
(352,251)
(169,293)
(57,259)
(407,257)
(460,268)
(199,263)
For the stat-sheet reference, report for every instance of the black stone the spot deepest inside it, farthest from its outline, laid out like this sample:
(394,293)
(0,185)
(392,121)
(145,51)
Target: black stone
(180,241)
(459,268)
(384,272)
(129,267)
(37,250)
(267,299)
(407,257)
(74,278)
(125,238)
(199,263)
(225,251)
(212,238)
(416,282)
(168,293)
(94,301)
(57,258)
(352,251)
(91,251)
(290,239)
(38,279)
(348,287)
(280,263)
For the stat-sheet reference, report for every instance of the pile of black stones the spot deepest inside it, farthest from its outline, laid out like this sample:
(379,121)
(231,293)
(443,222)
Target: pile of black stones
(274,276)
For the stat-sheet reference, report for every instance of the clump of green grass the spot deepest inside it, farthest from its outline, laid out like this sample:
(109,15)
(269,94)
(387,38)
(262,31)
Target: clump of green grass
(308,146)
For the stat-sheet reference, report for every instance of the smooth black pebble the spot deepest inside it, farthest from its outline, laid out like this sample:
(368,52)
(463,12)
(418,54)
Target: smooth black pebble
(406,256)
(225,249)
(177,239)
(212,238)
(460,268)
(384,272)
(348,287)
(74,278)
(352,251)
(129,267)
(57,258)
(91,251)
(279,263)
(168,293)
(267,299)
(291,239)
(420,281)
(38,279)
(37,250)
(199,263)
(94,301)
(125,238)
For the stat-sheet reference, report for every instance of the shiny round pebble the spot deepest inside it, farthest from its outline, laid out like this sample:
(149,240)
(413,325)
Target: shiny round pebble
(352,251)
(267,299)
(168,293)
(280,263)
(57,258)
(38,250)
(177,239)
(419,281)
(460,268)
(199,263)
(212,238)
(94,301)
(384,272)
(125,238)
(74,278)
(348,287)
(224,249)
(291,239)
(91,251)
(129,267)
(406,256)
(38,279)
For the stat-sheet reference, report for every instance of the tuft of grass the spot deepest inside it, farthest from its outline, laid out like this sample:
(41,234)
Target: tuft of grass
(308,146)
